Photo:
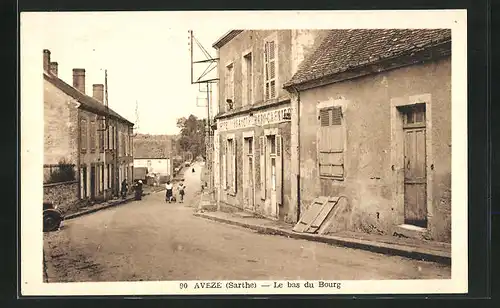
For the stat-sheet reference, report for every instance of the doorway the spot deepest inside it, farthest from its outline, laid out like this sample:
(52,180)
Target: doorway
(249,174)
(92,182)
(415,166)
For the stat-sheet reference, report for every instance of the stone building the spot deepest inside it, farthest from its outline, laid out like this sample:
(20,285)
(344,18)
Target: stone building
(374,121)
(74,132)
(253,142)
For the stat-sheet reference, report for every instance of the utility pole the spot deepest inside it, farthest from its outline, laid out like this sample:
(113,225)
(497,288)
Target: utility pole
(211,64)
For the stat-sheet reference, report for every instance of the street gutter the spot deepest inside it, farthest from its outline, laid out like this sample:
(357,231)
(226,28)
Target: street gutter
(416,253)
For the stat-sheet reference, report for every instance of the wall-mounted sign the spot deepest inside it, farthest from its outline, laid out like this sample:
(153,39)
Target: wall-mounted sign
(257,119)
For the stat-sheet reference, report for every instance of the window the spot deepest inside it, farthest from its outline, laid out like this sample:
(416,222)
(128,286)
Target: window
(270,69)
(123,144)
(271,166)
(414,116)
(108,145)
(101,185)
(331,143)
(83,135)
(229,86)
(229,161)
(101,134)
(93,131)
(113,137)
(109,176)
(247,79)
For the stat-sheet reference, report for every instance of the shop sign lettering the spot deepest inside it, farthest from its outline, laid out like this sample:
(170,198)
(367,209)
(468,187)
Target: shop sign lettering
(258,119)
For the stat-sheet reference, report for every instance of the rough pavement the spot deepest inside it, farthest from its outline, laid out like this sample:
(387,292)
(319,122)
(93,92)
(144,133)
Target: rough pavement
(154,240)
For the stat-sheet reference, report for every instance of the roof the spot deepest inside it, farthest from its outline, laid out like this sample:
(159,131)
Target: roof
(345,50)
(86,102)
(226,38)
(152,146)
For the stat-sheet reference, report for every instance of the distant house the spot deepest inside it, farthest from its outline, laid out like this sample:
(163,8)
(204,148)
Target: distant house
(75,134)
(374,120)
(154,153)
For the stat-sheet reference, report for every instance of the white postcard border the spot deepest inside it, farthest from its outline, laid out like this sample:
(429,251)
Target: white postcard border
(32,148)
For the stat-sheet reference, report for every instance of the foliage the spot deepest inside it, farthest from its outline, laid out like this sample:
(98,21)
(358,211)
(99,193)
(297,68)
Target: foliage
(63,172)
(192,136)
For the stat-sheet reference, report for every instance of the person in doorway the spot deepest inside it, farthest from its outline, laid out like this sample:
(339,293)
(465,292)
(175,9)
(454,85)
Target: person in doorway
(124,189)
(181,189)
(170,192)
(193,170)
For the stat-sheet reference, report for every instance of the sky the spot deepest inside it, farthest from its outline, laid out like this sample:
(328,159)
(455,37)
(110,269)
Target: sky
(147,58)
(147,53)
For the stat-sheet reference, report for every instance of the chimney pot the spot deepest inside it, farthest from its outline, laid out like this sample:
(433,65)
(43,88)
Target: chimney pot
(98,92)
(46,60)
(79,79)
(54,68)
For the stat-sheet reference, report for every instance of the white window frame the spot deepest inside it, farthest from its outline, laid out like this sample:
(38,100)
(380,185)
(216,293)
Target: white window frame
(84,134)
(229,84)
(230,156)
(271,38)
(247,84)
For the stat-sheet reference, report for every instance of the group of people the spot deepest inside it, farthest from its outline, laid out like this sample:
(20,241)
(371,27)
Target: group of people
(181,188)
(137,188)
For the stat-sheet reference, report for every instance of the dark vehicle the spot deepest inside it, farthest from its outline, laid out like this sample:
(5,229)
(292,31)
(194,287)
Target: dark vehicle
(52,218)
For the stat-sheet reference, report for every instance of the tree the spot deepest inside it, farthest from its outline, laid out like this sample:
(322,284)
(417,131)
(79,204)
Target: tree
(192,135)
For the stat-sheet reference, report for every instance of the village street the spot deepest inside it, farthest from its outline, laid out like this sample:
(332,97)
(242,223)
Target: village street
(154,240)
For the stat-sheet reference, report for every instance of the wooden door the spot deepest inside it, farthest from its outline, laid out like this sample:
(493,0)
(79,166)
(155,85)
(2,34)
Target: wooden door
(415,182)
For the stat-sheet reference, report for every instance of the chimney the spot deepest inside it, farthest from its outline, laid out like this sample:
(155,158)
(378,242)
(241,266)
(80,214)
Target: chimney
(79,79)
(98,92)
(46,60)
(53,68)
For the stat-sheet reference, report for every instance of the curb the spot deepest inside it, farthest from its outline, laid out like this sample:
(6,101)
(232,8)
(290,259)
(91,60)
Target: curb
(90,211)
(378,247)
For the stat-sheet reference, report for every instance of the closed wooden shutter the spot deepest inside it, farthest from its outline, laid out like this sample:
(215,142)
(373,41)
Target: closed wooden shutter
(331,143)
(279,169)
(262,147)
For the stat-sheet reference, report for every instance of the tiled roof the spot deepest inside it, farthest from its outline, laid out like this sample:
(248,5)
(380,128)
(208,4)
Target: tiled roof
(153,146)
(86,102)
(344,50)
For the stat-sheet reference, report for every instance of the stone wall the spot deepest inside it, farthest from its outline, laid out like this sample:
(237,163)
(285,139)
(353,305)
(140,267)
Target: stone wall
(64,195)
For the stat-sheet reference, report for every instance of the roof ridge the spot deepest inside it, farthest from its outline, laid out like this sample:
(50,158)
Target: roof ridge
(55,80)
(347,49)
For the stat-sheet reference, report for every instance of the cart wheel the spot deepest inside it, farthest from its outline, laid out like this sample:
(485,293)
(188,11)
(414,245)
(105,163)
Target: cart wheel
(51,222)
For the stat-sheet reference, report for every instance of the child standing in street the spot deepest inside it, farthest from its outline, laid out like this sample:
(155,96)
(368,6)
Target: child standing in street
(169,194)
(182,189)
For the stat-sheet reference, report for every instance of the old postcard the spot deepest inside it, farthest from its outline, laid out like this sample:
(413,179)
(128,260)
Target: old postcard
(307,152)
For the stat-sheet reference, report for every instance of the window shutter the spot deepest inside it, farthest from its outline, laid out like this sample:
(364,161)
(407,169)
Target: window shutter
(262,146)
(234,165)
(279,169)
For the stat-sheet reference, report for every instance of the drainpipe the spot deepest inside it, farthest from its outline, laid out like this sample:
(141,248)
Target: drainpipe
(297,93)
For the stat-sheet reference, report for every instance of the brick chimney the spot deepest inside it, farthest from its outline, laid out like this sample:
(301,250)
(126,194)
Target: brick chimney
(46,60)
(79,79)
(98,92)
(53,68)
